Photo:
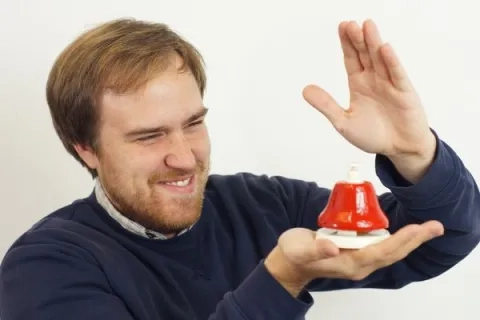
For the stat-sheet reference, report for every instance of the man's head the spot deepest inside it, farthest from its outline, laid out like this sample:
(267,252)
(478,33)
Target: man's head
(126,100)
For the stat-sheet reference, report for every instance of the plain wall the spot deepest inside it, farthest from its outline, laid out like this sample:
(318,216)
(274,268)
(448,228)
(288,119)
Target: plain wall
(259,56)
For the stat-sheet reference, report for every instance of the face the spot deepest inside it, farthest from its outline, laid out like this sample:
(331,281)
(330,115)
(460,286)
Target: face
(154,150)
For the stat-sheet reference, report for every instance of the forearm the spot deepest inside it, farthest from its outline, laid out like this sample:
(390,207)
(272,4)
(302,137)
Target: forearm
(261,296)
(448,193)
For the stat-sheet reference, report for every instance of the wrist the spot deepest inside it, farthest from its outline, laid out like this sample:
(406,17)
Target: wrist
(414,166)
(285,273)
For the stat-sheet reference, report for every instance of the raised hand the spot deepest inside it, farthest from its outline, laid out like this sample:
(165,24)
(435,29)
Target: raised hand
(385,115)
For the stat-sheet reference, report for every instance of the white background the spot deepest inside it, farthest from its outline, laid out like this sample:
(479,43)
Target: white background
(259,55)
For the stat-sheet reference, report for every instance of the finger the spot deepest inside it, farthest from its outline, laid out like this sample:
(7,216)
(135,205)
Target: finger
(350,54)
(435,227)
(355,34)
(374,43)
(397,74)
(356,264)
(429,231)
(323,102)
(377,254)
(402,243)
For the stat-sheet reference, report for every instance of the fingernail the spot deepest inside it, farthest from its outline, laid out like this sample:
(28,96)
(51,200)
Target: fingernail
(437,232)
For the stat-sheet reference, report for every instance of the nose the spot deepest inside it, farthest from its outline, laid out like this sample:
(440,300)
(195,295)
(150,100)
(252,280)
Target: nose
(180,155)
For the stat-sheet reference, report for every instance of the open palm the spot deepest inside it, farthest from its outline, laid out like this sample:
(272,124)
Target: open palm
(319,258)
(385,114)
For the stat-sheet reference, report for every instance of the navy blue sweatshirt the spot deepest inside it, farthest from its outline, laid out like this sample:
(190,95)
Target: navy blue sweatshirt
(78,263)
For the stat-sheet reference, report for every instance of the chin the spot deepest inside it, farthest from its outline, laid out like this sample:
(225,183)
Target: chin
(173,220)
(174,206)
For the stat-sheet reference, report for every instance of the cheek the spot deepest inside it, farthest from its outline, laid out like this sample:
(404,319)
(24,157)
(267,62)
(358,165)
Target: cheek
(200,145)
(145,160)
(132,161)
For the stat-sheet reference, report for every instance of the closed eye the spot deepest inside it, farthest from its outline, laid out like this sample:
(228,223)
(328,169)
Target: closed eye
(196,123)
(149,137)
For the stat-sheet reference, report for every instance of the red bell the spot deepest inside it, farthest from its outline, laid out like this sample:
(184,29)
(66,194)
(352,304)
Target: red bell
(353,217)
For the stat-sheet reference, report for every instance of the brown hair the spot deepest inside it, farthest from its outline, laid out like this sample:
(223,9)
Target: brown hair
(120,55)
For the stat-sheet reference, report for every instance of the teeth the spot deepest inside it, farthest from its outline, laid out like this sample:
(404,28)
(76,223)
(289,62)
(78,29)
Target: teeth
(181,183)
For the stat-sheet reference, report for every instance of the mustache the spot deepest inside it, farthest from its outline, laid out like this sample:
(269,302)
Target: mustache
(177,174)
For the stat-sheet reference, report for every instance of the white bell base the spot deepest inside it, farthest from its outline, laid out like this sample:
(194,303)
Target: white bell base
(350,239)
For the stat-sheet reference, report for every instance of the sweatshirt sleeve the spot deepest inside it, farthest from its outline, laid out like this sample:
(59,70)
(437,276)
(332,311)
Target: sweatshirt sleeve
(260,296)
(50,281)
(447,193)
(53,281)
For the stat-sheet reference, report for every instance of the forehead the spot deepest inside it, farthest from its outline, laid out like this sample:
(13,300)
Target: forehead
(166,100)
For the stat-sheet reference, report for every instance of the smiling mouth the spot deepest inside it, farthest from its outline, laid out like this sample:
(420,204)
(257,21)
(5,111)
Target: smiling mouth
(179,183)
(183,186)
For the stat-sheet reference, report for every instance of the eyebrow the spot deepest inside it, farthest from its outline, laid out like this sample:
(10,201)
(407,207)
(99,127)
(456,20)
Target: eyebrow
(149,130)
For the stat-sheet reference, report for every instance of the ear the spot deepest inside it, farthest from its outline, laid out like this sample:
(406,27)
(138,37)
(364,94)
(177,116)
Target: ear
(88,156)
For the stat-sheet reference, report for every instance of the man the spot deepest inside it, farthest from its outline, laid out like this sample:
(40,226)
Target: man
(160,238)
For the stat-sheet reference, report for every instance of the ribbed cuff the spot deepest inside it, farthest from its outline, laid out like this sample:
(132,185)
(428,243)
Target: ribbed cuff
(437,181)
(260,296)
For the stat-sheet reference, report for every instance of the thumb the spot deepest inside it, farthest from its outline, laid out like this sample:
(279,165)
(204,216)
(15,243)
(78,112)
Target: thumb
(325,249)
(320,249)
(323,102)
(300,246)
